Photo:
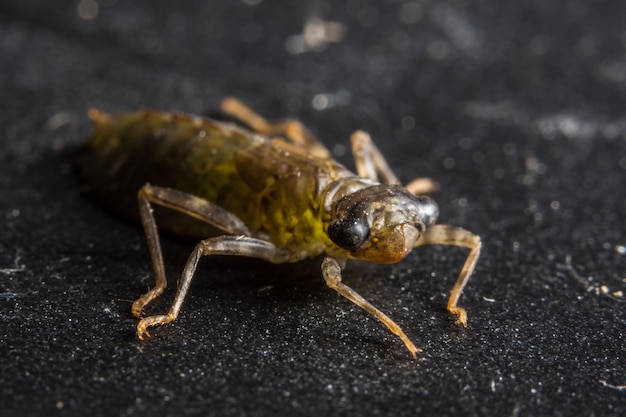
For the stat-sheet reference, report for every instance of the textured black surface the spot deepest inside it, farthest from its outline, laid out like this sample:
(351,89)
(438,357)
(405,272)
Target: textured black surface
(515,108)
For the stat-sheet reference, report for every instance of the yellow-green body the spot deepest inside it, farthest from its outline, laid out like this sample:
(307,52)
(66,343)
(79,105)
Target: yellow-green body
(272,199)
(272,185)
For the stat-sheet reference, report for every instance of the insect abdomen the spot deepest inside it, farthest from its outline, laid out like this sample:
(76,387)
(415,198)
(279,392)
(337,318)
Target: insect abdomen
(272,190)
(189,154)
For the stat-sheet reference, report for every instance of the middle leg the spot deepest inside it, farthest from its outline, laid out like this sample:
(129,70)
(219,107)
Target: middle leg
(292,129)
(370,163)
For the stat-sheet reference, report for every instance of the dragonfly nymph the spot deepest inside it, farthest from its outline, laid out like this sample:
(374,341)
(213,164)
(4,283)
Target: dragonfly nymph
(272,191)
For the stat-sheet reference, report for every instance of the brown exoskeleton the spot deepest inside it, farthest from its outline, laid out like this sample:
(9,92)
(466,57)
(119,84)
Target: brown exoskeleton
(277,199)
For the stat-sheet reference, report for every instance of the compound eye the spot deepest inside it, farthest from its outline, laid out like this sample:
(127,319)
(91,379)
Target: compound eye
(349,233)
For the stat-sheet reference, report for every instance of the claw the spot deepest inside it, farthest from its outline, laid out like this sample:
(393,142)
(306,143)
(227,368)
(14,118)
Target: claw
(137,308)
(459,311)
(141,330)
(415,351)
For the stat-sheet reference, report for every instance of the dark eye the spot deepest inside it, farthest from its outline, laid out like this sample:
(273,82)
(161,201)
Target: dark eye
(349,233)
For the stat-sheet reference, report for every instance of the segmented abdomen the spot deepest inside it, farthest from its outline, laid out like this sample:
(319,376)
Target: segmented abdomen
(271,185)
(189,154)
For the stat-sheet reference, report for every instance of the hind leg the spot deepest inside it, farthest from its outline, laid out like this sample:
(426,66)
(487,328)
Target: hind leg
(292,129)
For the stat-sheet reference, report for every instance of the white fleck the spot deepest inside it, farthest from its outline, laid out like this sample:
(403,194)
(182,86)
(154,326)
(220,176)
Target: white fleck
(568,125)
(614,72)
(617,387)
(315,36)
(503,110)
(58,120)
(499,173)
(438,50)
(449,163)
(339,149)
(88,9)
(457,28)
(320,101)
(325,101)
(478,157)
(411,13)
(540,44)
(408,122)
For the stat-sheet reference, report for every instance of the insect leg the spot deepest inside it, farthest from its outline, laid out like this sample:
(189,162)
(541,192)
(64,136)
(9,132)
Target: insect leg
(185,203)
(222,245)
(370,163)
(292,129)
(331,270)
(441,234)
(423,185)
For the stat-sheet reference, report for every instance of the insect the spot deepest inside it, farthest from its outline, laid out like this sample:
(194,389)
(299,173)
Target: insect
(271,191)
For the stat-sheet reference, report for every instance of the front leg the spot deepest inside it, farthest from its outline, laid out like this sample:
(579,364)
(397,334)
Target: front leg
(442,234)
(331,270)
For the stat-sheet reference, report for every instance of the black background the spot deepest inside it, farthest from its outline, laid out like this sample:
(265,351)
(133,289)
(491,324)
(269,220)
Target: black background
(516,108)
